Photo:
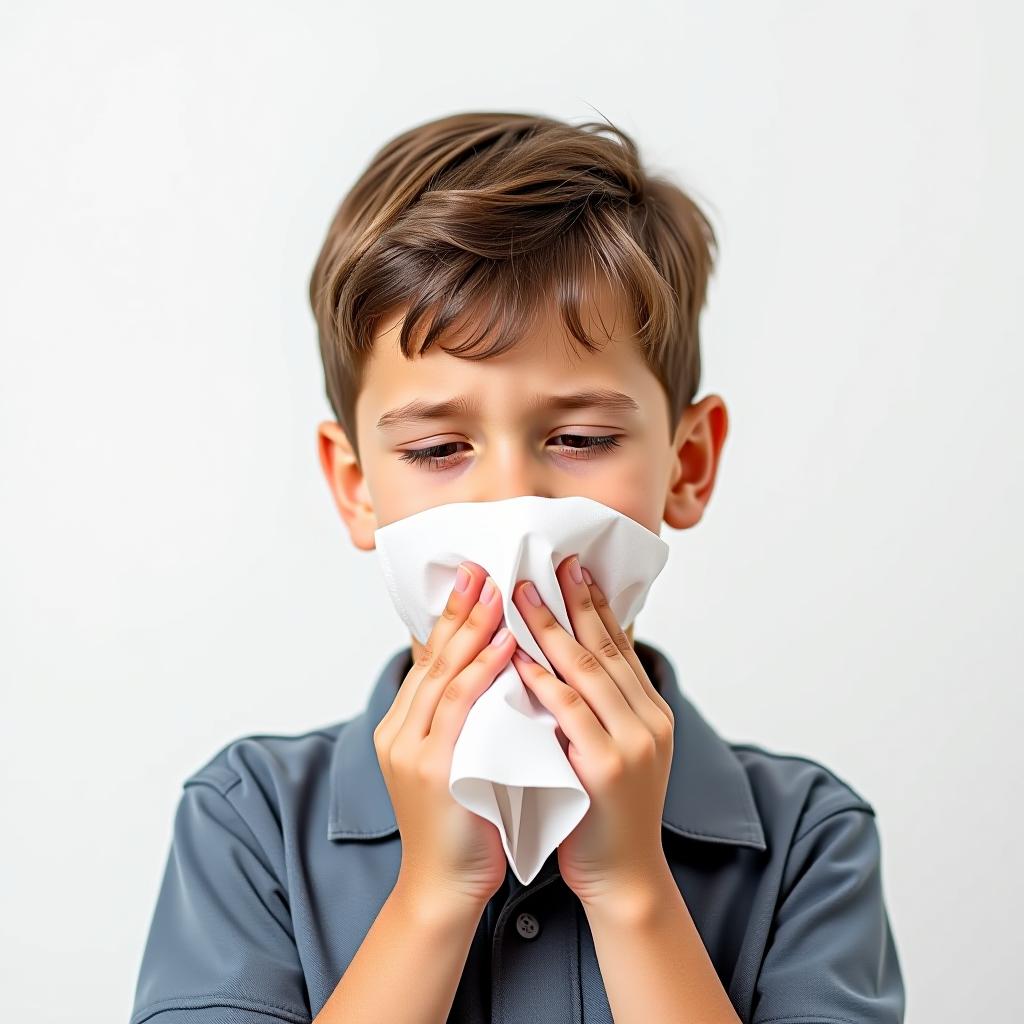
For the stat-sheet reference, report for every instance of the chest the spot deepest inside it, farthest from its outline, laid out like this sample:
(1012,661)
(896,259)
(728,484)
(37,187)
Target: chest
(532,957)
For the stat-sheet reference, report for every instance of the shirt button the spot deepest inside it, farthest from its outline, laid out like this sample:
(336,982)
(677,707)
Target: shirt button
(528,926)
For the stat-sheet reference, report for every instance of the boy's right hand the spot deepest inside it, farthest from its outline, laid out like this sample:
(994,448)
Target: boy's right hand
(445,848)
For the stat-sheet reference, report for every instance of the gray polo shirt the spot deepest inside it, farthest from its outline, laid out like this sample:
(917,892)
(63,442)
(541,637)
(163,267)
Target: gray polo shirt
(284,849)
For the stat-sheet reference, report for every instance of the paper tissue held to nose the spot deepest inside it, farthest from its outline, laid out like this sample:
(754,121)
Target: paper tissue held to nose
(508,765)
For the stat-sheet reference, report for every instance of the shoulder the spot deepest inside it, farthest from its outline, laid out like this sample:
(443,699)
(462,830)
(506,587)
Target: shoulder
(829,951)
(264,790)
(794,794)
(266,756)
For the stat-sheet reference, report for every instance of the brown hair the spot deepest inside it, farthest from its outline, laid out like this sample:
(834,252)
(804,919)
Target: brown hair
(501,211)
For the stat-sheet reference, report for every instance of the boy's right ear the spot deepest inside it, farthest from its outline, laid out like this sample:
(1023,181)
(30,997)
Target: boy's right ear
(347,483)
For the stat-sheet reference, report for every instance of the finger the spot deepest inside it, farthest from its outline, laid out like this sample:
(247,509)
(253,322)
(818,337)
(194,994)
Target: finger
(470,638)
(464,689)
(578,667)
(573,713)
(604,610)
(460,603)
(601,635)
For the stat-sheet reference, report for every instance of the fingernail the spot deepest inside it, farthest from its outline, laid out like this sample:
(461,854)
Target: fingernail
(462,578)
(588,577)
(531,594)
(500,637)
(488,592)
(574,570)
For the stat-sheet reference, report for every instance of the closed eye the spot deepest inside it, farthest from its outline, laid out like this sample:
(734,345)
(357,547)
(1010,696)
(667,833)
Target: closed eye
(605,443)
(439,456)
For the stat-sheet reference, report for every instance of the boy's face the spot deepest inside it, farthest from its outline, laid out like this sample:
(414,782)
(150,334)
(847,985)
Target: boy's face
(506,440)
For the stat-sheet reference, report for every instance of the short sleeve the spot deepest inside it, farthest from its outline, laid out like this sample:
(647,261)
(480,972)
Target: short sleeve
(220,948)
(831,954)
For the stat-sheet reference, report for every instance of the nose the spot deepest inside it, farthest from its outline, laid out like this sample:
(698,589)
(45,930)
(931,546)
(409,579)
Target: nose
(510,471)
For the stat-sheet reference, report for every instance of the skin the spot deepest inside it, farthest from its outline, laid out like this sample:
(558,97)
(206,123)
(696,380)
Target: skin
(619,729)
(654,475)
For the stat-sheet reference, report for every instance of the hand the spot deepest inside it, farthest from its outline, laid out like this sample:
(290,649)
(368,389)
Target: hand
(619,731)
(446,849)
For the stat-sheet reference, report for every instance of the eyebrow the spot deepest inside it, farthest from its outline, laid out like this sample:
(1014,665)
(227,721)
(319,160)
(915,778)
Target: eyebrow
(589,398)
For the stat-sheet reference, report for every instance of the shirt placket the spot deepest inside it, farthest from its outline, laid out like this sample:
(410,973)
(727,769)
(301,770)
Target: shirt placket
(535,966)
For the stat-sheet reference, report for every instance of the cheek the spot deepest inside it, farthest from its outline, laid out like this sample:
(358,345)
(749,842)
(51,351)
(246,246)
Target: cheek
(637,492)
(388,490)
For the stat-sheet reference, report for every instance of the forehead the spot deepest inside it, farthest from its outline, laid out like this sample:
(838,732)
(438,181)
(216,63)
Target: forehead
(546,357)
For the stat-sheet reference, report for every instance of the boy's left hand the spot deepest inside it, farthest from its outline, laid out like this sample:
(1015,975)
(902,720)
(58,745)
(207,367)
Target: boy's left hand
(620,737)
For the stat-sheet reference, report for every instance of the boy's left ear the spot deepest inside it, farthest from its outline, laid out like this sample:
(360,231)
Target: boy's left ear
(347,482)
(697,446)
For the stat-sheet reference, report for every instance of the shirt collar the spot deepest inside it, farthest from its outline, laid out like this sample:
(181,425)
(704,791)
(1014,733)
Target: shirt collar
(708,798)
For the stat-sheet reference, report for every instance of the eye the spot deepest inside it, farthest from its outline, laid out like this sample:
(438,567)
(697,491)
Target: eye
(434,455)
(602,443)
(442,456)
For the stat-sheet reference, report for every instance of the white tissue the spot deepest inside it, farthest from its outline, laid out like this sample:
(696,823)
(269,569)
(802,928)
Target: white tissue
(508,765)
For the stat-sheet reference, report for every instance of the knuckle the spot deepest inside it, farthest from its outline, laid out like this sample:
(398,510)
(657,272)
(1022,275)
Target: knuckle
(609,649)
(400,760)
(620,640)
(570,697)
(599,599)
(587,662)
(454,690)
(450,612)
(475,619)
(438,667)
(665,729)
(549,623)
(662,736)
(426,655)
(644,748)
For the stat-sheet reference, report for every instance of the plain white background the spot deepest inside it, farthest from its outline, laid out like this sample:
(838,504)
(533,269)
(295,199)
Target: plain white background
(174,574)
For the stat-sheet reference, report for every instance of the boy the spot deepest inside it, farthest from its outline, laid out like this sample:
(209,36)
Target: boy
(508,304)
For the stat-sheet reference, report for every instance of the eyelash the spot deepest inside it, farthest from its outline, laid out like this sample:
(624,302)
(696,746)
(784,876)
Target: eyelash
(428,455)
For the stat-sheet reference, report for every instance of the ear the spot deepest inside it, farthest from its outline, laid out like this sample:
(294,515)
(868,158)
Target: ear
(347,483)
(697,447)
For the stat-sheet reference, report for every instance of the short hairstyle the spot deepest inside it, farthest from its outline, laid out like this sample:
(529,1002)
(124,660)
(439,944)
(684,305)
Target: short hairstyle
(493,214)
